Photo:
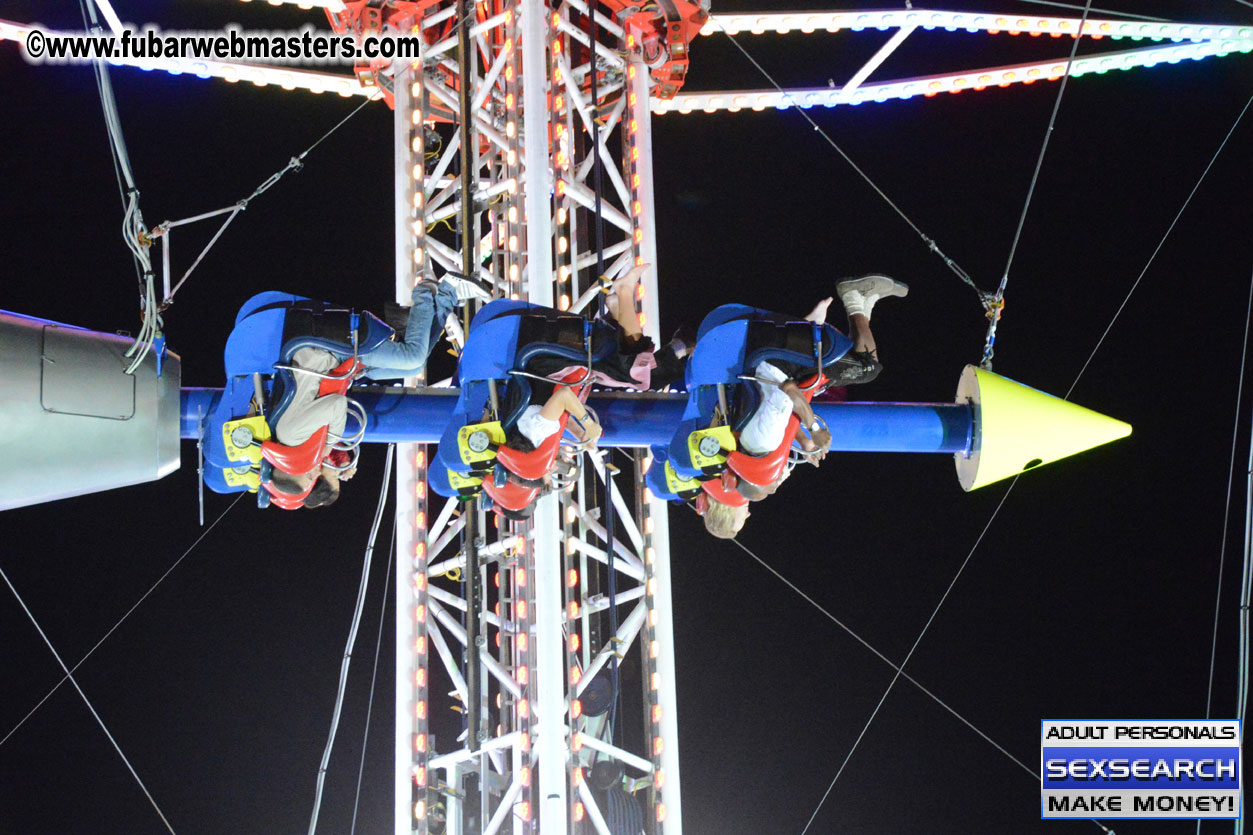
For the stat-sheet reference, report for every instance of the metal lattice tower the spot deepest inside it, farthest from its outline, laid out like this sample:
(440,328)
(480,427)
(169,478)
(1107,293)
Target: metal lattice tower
(536,613)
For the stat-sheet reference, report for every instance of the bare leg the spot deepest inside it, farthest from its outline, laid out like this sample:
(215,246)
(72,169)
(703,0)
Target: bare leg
(819,314)
(863,339)
(624,295)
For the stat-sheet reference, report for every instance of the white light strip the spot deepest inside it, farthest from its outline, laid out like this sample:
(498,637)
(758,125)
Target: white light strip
(336,6)
(736,100)
(262,76)
(807,22)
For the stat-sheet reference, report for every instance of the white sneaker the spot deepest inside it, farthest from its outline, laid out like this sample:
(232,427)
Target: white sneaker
(860,294)
(467,289)
(452,329)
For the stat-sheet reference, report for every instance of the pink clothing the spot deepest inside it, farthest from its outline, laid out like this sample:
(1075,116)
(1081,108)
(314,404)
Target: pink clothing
(641,373)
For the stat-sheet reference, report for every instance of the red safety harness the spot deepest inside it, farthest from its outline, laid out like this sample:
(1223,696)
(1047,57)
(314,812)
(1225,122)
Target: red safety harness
(766,469)
(308,456)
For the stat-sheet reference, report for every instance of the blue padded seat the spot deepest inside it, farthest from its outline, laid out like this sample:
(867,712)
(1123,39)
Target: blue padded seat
(732,340)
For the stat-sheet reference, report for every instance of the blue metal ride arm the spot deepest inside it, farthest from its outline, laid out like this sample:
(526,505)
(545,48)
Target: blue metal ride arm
(643,419)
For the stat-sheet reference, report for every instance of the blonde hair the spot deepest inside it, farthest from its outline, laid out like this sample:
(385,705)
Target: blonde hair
(723,520)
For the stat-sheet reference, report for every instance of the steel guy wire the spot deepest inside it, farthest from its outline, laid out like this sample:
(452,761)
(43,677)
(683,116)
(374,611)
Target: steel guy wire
(996,303)
(931,244)
(369,709)
(120,620)
(1067,397)
(1246,586)
(294,164)
(352,639)
(1231,470)
(900,671)
(1242,650)
(886,660)
(87,702)
(134,233)
(1102,11)
(1160,243)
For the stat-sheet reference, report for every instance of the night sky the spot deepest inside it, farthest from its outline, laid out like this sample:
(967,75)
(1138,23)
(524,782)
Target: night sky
(1092,594)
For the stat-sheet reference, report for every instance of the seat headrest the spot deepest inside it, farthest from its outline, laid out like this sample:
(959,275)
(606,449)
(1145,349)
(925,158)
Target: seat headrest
(512,495)
(724,493)
(297,460)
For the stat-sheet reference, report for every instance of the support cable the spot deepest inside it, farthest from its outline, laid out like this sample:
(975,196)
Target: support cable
(1113,12)
(369,709)
(352,638)
(899,669)
(996,303)
(1246,589)
(1246,586)
(848,629)
(931,244)
(1160,244)
(120,620)
(1231,469)
(296,163)
(1015,481)
(87,702)
(93,25)
(134,233)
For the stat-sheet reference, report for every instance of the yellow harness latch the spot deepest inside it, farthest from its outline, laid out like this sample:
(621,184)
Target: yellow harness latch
(710,447)
(464,485)
(242,438)
(478,442)
(684,488)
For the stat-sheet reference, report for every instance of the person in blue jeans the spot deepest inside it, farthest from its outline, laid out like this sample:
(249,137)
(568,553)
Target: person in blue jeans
(433,304)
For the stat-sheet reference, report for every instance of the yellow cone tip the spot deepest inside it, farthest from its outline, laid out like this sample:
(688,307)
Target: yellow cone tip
(1018,428)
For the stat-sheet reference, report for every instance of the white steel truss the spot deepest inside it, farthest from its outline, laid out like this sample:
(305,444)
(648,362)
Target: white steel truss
(538,617)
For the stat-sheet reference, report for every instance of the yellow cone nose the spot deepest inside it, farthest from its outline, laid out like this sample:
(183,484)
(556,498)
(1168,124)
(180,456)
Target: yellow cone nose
(1018,428)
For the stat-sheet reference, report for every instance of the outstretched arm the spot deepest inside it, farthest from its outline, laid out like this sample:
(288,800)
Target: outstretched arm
(565,400)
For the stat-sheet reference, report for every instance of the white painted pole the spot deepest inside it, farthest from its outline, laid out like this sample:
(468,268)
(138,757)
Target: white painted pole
(639,126)
(549,742)
(550,663)
(535,156)
(405,499)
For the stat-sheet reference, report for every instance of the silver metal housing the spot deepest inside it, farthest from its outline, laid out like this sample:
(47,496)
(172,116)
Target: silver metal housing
(72,421)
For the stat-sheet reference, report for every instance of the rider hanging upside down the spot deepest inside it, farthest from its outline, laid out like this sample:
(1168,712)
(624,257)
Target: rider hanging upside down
(630,366)
(523,380)
(766,430)
(306,414)
(404,355)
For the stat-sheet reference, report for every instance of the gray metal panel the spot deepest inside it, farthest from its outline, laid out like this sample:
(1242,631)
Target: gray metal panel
(84,373)
(47,455)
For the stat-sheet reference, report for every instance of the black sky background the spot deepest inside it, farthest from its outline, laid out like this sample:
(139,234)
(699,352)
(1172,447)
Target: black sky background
(1090,596)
